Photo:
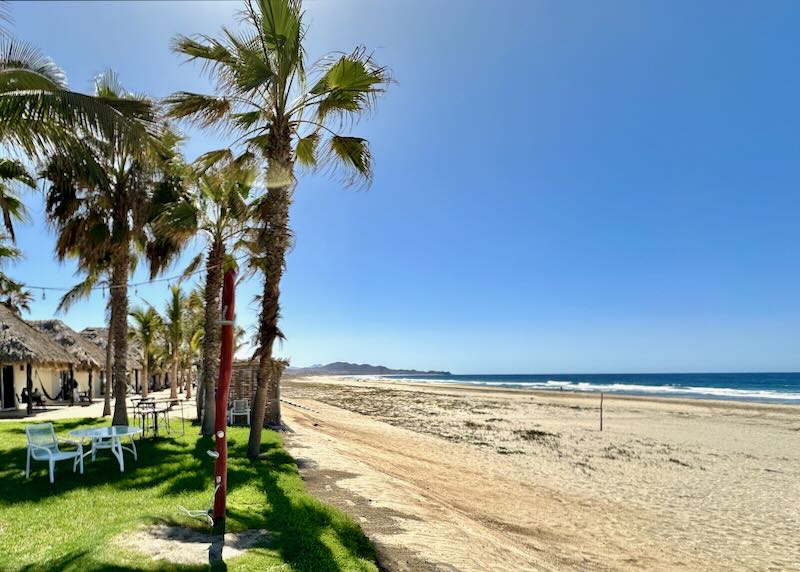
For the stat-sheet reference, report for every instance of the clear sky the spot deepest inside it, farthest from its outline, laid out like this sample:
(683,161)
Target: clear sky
(559,187)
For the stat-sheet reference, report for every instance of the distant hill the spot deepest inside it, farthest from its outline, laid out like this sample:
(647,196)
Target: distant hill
(344,368)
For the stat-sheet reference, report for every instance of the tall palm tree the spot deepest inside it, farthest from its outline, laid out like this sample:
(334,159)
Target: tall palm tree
(101,201)
(216,209)
(282,119)
(173,326)
(146,323)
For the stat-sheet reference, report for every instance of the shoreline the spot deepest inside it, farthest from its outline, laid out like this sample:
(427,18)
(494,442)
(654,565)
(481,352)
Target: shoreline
(588,395)
(432,471)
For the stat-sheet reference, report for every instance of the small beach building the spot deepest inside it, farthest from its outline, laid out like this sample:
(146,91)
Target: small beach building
(90,358)
(28,357)
(244,379)
(99,337)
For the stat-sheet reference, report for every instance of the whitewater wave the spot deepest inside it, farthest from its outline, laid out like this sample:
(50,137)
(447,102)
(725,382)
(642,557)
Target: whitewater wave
(673,390)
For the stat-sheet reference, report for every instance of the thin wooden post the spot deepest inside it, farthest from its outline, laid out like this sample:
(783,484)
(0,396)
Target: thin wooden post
(29,385)
(90,384)
(221,418)
(601,411)
(71,383)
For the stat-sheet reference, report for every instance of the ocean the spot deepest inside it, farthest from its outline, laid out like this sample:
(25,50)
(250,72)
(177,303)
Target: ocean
(761,387)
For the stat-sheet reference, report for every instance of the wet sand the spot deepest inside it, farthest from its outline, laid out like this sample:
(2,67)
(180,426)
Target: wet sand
(472,479)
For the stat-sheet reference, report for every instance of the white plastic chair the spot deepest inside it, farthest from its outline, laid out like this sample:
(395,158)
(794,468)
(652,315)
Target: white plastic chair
(241,408)
(43,446)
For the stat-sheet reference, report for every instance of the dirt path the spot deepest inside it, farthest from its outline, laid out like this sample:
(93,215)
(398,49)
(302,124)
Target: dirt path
(414,497)
(430,504)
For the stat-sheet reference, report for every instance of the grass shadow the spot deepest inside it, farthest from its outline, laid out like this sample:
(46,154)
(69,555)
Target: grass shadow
(265,493)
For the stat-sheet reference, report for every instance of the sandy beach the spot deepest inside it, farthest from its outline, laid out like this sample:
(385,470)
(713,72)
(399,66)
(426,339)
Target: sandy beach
(472,479)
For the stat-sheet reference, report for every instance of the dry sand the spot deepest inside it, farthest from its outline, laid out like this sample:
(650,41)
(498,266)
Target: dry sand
(455,478)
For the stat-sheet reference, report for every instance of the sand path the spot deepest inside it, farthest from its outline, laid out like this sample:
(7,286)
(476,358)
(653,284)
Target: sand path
(445,503)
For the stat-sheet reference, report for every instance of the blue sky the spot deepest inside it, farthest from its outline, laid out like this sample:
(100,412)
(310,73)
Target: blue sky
(559,186)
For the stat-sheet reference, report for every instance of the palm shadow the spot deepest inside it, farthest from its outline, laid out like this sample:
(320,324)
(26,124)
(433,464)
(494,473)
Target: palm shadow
(299,527)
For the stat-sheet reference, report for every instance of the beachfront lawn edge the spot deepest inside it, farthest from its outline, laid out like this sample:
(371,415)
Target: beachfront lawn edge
(77,523)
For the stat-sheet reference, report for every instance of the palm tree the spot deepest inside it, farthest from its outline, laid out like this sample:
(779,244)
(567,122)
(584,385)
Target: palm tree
(217,210)
(12,294)
(101,202)
(15,296)
(11,205)
(191,353)
(146,323)
(173,327)
(282,119)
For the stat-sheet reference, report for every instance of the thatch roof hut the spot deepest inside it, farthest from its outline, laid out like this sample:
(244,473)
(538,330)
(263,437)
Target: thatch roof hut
(87,354)
(99,336)
(21,343)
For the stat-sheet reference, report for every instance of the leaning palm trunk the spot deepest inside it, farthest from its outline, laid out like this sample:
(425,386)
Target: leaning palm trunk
(119,333)
(275,237)
(109,364)
(211,332)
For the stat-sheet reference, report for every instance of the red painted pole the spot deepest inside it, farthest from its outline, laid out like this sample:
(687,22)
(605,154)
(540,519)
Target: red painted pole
(221,421)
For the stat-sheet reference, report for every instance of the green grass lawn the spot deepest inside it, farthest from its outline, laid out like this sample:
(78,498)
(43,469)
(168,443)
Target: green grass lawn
(71,524)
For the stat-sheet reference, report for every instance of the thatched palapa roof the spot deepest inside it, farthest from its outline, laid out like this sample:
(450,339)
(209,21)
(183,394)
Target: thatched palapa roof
(20,343)
(88,355)
(99,336)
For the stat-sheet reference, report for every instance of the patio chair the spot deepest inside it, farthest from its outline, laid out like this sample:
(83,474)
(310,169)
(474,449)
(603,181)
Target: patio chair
(144,412)
(43,446)
(241,408)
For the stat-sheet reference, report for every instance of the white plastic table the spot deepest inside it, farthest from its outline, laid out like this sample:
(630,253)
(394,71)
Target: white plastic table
(109,438)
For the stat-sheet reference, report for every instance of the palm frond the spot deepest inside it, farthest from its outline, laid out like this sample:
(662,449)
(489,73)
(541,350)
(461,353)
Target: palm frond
(349,84)
(23,66)
(351,155)
(204,110)
(193,266)
(201,47)
(80,291)
(11,169)
(306,150)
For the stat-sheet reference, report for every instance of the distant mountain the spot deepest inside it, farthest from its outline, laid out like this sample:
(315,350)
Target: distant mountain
(344,368)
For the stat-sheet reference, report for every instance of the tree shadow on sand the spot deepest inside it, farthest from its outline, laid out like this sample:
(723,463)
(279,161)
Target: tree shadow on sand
(303,531)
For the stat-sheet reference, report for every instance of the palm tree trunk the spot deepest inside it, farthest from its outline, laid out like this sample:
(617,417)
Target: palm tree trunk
(145,374)
(109,376)
(275,238)
(211,333)
(188,382)
(173,376)
(119,329)
(199,398)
